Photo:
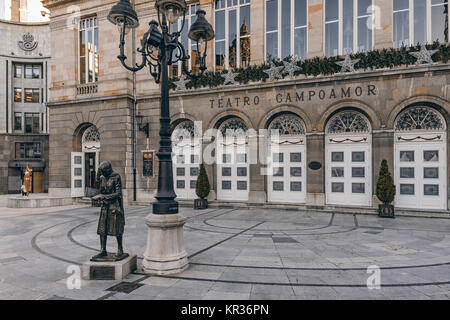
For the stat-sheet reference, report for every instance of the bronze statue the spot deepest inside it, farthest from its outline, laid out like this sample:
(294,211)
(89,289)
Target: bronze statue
(112,216)
(27,180)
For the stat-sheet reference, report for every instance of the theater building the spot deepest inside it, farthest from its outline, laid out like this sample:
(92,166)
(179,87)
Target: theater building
(24,69)
(334,128)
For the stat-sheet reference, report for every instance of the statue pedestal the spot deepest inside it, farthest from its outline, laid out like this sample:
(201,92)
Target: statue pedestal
(109,270)
(165,253)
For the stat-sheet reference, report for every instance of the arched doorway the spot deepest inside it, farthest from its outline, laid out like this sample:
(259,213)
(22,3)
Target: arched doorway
(286,181)
(348,159)
(420,159)
(187,155)
(232,161)
(84,163)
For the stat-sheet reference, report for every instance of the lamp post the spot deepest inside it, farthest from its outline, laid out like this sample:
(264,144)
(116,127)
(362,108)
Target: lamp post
(165,248)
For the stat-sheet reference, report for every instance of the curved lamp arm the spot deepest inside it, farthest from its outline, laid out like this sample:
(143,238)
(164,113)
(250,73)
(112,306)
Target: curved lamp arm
(122,57)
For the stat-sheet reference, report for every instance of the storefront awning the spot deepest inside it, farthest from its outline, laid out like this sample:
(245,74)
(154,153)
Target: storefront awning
(23,164)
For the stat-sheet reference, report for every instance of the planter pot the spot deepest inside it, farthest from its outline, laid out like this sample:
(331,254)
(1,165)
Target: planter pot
(386,211)
(200,204)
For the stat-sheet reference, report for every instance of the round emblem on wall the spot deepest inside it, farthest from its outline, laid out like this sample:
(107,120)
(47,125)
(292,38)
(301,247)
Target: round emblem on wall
(315,165)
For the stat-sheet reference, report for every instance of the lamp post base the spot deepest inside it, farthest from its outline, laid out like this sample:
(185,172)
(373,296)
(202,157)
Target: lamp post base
(165,252)
(169,207)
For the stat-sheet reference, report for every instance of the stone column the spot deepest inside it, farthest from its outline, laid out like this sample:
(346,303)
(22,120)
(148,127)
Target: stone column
(315,179)
(315,28)
(382,148)
(257,188)
(383,30)
(257,30)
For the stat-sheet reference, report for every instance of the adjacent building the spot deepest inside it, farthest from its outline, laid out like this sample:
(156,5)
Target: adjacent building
(24,69)
(335,128)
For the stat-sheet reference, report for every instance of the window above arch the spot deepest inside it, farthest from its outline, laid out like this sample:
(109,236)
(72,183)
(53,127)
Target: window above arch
(91,135)
(419,118)
(233,127)
(348,122)
(287,124)
(185,129)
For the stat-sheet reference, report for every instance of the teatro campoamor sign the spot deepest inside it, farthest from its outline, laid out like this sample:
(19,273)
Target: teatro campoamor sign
(297,96)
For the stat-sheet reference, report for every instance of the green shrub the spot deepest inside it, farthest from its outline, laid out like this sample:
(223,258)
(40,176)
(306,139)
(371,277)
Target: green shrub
(385,185)
(202,188)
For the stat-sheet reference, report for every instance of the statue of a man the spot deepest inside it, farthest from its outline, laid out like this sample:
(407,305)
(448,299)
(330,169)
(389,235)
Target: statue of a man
(112,216)
(27,180)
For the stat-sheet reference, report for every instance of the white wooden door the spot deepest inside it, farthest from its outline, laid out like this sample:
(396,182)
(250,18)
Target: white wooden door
(420,175)
(349,174)
(186,168)
(287,173)
(232,170)
(77,174)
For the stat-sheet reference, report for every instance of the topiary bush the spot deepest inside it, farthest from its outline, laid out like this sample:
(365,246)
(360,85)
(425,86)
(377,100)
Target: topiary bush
(385,185)
(202,188)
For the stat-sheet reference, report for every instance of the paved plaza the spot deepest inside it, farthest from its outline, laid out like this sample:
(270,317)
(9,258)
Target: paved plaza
(233,254)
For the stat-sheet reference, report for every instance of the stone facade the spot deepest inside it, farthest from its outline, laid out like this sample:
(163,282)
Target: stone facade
(379,95)
(23,44)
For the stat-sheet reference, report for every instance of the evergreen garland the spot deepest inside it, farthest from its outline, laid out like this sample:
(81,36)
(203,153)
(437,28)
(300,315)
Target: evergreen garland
(372,60)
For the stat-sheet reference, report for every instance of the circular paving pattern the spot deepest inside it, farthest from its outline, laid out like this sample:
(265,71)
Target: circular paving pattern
(272,252)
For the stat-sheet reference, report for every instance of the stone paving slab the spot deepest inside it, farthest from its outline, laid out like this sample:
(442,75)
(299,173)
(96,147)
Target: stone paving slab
(235,254)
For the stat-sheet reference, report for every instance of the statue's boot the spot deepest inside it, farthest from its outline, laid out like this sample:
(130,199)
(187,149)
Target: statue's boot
(119,247)
(103,252)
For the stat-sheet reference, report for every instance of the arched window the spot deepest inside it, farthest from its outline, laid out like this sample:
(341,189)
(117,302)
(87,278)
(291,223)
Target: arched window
(90,140)
(287,125)
(185,130)
(348,122)
(233,127)
(420,118)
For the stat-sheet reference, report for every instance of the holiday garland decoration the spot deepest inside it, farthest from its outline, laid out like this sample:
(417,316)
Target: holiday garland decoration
(371,60)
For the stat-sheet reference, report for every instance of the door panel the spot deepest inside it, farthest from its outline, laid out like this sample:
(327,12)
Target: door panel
(232,170)
(420,175)
(349,174)
(77,174)
(286,173)
(186,164)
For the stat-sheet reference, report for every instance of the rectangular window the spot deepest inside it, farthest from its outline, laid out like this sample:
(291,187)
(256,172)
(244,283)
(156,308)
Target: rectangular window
(17,121)
(420,21)
(286,25)
(18,71)
(36,71)
(28,150)
(28,71)
(348,26)
(88,50)
(232,27)
(189,45)
(32,95)
(32,124)
(17,94)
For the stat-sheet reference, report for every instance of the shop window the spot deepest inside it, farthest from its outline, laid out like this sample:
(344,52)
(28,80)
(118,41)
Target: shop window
(28,150)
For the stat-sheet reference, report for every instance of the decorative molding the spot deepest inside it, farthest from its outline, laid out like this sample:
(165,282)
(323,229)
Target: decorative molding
(28,43)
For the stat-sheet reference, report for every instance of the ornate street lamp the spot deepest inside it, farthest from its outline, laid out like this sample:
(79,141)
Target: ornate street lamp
(159,49)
